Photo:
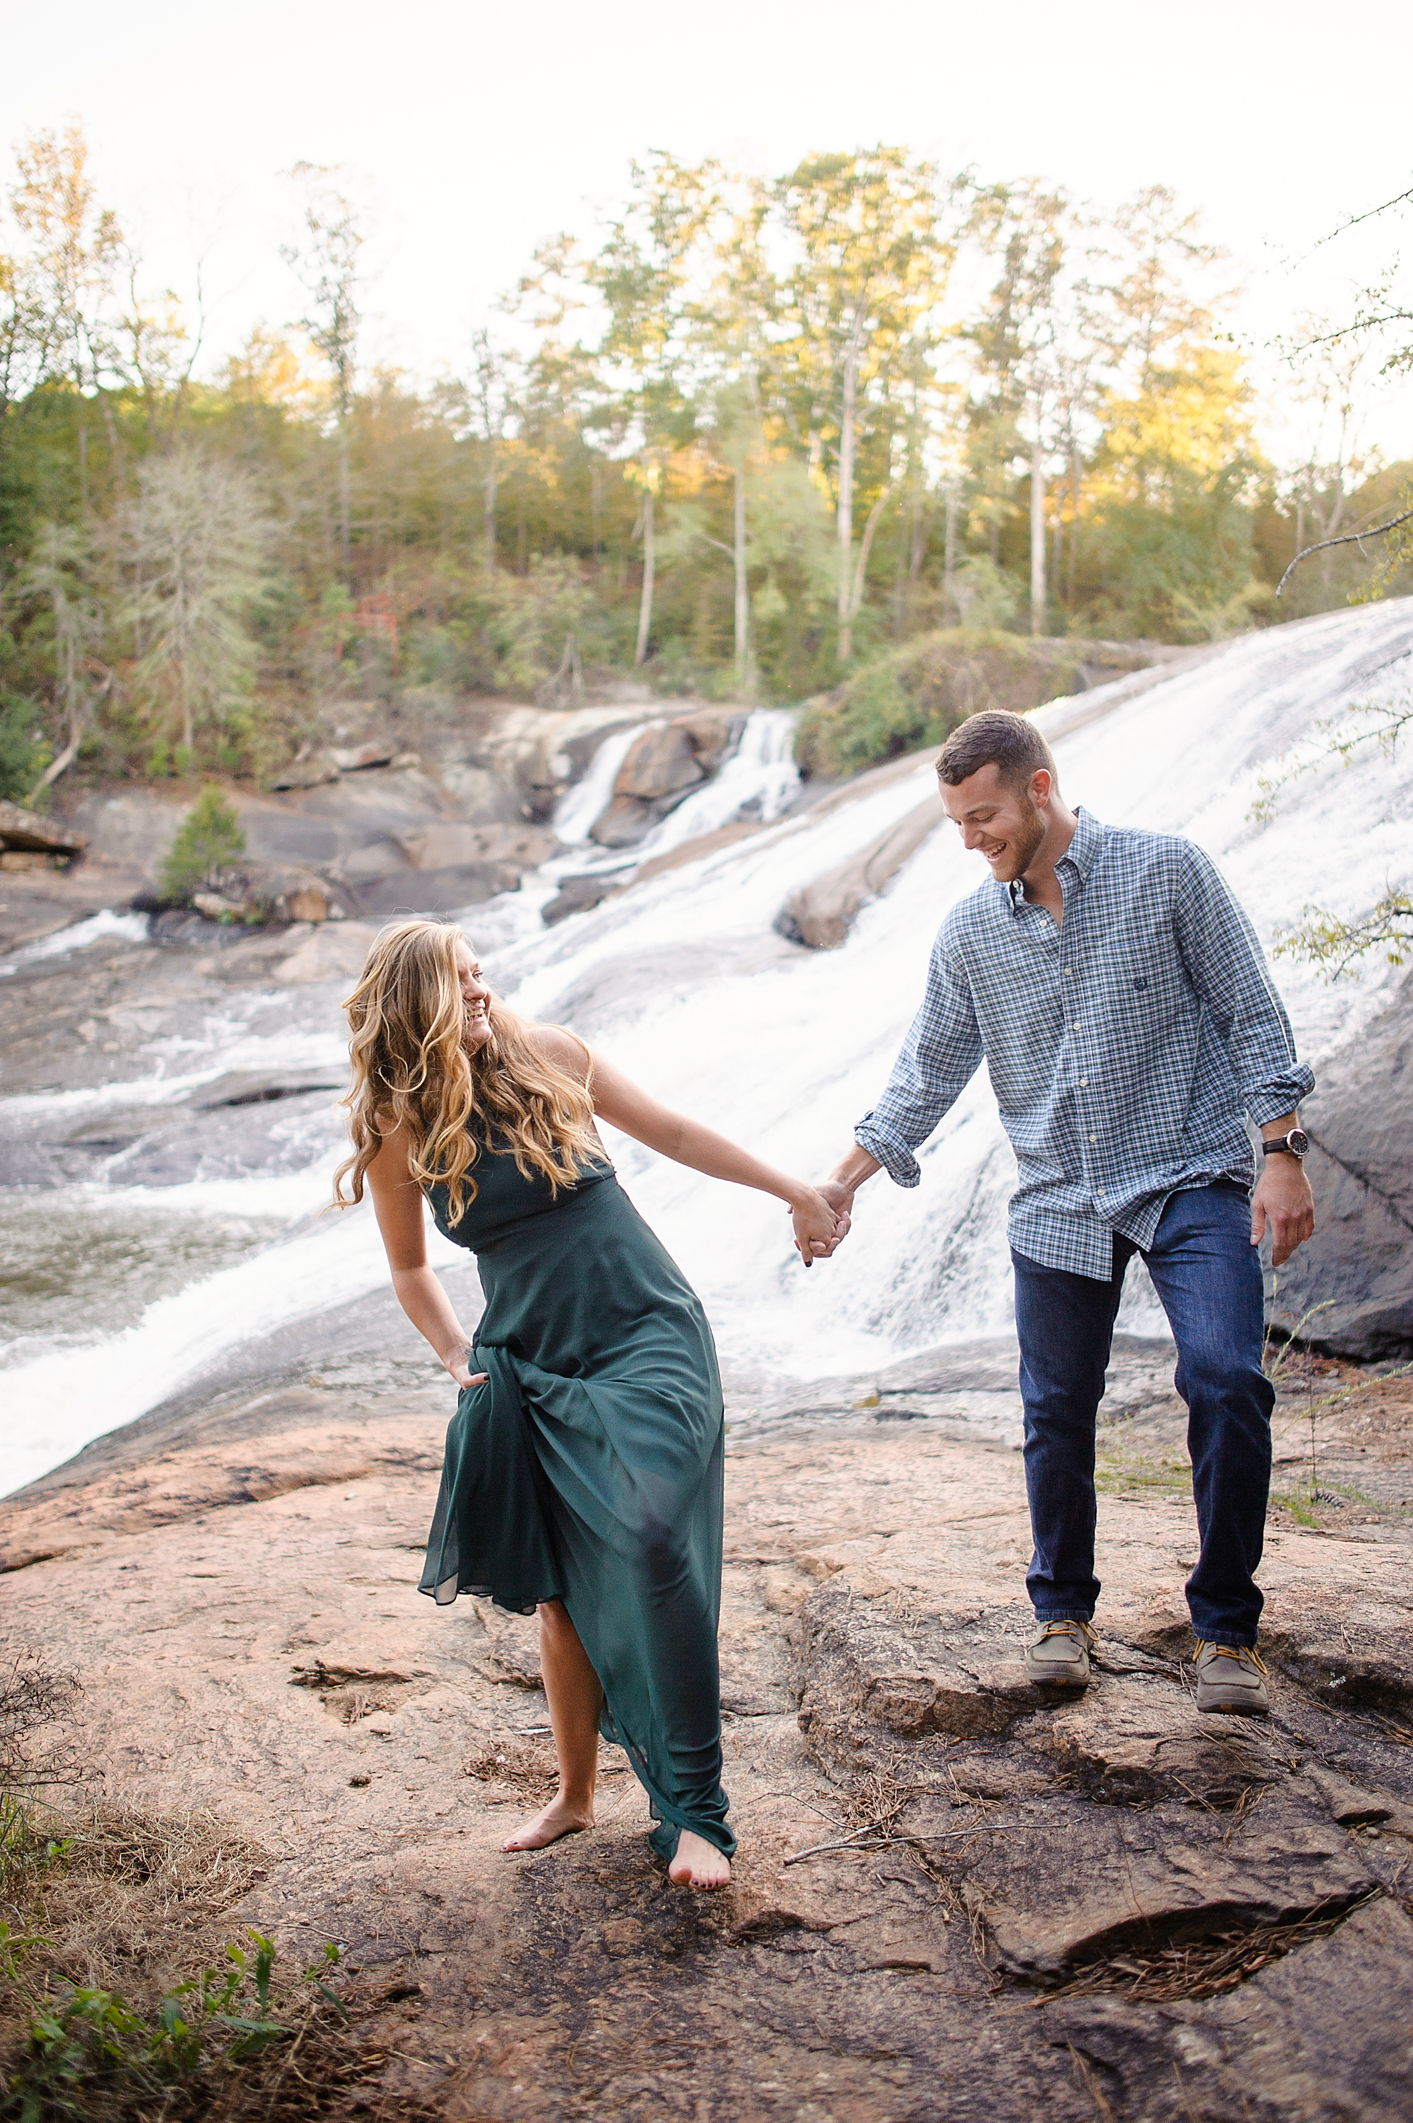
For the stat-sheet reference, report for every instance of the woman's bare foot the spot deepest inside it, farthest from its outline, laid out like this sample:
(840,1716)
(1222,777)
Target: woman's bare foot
(699,1863)
(557,1819)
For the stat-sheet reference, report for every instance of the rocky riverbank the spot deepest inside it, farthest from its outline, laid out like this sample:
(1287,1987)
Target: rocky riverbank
(952,1897)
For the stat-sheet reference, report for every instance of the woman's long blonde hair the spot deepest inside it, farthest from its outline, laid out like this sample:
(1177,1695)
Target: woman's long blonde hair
(412,1070)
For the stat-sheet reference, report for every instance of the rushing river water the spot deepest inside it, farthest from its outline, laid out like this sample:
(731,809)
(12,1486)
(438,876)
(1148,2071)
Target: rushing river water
(689,987)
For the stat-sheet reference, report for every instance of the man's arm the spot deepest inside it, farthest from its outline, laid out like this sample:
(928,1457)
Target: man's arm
(1225,964)
(936,1062)
(1283,1200)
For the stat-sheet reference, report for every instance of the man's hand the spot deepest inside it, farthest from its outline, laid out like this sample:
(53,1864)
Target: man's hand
(1283,1201)
(841,1201)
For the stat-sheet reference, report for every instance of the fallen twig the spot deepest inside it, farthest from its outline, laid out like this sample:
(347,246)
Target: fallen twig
(880,1842)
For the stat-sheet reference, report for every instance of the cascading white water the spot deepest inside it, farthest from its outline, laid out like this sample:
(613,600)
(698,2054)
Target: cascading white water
(581,805)
(758,781)
(684,982)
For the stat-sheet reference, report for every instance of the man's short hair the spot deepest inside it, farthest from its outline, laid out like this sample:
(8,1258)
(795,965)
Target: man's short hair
(996,738)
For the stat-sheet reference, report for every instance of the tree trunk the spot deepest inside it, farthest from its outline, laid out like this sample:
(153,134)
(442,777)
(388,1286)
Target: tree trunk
(743,608)
(846,497)
(1037,535)
(1074,523)
(645,607)
(856,590)
(345,534)
(488,555)
(949,554)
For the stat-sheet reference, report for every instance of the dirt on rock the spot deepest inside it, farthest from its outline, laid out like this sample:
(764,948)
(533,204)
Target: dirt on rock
(953,1898)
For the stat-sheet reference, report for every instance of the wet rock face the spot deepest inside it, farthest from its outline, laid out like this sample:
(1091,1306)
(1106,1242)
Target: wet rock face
(821,913)
(658,770)
(1360,1262)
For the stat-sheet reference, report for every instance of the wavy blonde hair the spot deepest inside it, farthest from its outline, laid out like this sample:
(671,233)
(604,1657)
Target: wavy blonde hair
(411,1069)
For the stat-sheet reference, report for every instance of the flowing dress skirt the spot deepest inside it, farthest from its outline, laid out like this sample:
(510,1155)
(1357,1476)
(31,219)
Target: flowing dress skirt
(588,1468)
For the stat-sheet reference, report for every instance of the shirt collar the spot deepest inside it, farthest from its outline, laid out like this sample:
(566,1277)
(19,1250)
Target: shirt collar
(1088,838)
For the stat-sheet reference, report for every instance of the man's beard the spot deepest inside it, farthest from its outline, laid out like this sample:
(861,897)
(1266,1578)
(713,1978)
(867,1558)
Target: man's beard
(1025,841)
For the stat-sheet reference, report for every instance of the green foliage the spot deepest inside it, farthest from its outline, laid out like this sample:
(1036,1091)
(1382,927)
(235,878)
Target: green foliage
(90,2055)
(916,695)
(1333,942)
(24,753)
(828,437)
(209,836)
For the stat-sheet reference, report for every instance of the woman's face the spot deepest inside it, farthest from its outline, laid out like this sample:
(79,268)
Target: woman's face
(475,996)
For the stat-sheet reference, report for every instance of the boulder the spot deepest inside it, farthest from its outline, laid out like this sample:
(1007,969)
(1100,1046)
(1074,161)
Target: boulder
(660,767)
(662,762)
(821,914)
(257,892)
(14,859)
(576,894)
(352,759)
(446,843)
(27,830)
(306,773)
(1360,1261)
(711,732)
(439,891)
(322,953)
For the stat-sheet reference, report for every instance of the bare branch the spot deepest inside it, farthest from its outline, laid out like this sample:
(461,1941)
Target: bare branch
(1350,538)
(1372,214)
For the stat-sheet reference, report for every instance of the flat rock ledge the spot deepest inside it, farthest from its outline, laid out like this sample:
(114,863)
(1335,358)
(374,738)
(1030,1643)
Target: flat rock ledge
(953,1898)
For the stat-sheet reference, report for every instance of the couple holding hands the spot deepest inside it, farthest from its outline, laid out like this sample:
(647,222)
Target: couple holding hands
(1120,1000)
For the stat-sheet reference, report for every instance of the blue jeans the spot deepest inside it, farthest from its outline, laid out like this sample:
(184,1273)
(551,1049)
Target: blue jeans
(1208,1276)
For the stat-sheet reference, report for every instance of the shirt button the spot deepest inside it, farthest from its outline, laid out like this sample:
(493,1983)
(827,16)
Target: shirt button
(1094,1138)
(1084,1083)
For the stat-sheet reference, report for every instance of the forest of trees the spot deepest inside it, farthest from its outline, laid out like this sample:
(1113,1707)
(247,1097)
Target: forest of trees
(752,436)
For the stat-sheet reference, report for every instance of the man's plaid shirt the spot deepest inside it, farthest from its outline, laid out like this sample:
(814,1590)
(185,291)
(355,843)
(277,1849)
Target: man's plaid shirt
(1122,1045)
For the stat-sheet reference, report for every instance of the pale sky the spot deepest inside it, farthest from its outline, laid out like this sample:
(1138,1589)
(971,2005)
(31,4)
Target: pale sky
(471,130)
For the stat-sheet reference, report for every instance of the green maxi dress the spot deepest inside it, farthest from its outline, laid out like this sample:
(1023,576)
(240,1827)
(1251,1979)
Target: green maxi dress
(588,1468)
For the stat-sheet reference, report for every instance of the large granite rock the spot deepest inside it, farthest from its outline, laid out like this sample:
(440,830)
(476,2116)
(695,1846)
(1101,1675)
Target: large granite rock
(998,1907)
(1360,1261)
(822,913)
(659,769)
(28,832)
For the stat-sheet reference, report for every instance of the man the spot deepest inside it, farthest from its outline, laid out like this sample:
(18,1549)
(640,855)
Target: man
(1127,1019)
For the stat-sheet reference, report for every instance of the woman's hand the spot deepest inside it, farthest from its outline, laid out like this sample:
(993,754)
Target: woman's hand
(457,1360)
(818,1229)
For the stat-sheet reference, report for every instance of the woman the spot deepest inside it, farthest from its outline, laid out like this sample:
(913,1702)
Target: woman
(583,1474)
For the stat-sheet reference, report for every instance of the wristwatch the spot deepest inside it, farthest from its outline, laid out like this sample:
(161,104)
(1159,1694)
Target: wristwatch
(1296,1144)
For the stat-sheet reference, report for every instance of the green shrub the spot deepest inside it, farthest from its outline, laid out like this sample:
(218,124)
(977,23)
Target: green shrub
(23,753)
(210,835)
(914,696)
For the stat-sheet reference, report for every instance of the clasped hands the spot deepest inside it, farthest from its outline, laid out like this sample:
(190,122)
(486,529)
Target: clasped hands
(822,1218)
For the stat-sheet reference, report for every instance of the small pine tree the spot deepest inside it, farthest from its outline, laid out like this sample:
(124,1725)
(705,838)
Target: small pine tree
(209,835)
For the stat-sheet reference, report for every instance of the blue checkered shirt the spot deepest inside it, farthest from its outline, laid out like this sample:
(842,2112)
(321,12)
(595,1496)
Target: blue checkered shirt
(1123,1045)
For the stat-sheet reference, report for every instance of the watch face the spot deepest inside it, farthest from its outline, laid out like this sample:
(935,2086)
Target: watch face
(1298,1141)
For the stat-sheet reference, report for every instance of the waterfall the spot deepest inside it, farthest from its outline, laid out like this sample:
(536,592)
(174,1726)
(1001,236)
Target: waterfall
(580,806)
(684,983)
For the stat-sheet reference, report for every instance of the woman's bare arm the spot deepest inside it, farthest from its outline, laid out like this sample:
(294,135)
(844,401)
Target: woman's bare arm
(397,1204)
(623,1104)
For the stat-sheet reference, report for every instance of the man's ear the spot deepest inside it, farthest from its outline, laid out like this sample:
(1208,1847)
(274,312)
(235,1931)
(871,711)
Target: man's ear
(1041,785)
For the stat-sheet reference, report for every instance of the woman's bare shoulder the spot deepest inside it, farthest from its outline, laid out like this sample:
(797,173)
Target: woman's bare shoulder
(391,1145)
(563,1048)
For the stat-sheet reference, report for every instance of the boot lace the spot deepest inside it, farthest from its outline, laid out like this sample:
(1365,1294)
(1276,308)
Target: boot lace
(1244,1654)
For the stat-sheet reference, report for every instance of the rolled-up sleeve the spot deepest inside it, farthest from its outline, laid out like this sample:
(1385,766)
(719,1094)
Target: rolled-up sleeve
(1225,964)
(937,1061)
